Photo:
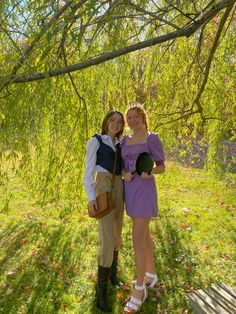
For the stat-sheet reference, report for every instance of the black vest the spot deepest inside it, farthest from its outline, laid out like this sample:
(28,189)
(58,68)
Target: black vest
(106,156)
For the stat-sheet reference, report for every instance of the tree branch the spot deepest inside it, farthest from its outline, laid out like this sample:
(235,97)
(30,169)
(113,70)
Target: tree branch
(185,32)
(211,54)
(38,37)
(153,15)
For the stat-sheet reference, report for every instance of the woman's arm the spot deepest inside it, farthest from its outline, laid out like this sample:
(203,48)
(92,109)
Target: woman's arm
(90,165)
(159,169)
(89,173)
(127,175)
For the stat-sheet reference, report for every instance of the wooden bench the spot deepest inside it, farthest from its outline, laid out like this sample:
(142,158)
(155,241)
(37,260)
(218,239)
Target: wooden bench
(218,298)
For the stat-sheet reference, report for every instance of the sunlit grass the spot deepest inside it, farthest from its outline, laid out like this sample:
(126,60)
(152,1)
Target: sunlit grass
(48,256)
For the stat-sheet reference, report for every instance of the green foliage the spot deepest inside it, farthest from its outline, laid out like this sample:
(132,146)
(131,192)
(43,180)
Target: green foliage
(47,123)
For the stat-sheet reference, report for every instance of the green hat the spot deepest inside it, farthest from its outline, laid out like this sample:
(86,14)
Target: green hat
(144,163)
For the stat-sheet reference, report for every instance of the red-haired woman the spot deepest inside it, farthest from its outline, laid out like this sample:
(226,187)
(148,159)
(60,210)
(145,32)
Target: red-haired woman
(141,199)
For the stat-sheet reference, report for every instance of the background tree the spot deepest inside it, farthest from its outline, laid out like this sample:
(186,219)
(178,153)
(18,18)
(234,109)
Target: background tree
(86,57)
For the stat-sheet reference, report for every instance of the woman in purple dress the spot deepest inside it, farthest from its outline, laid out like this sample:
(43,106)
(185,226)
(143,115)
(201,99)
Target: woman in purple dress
(141,199)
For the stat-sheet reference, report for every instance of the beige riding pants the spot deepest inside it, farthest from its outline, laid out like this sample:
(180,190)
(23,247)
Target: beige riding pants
(110,226)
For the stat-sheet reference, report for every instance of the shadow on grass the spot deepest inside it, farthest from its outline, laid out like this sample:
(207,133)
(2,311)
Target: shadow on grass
(38,266)
(50,268)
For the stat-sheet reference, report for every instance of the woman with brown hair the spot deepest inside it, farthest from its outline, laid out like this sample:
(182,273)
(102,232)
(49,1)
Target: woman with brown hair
(141,199)
(100,159)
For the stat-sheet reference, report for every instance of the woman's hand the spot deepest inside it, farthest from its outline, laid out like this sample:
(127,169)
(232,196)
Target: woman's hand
(92,207)
(128,176)
(146,176)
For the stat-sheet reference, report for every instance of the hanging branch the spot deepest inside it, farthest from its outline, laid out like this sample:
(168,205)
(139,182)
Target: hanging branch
(38,36)
(199,110)
(153,15)
(185,32)
(210,57)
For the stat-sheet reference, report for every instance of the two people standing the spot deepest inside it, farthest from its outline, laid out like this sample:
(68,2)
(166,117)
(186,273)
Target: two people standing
(140,199)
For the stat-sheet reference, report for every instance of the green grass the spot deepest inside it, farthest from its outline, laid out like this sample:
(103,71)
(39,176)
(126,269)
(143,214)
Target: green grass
(48,256)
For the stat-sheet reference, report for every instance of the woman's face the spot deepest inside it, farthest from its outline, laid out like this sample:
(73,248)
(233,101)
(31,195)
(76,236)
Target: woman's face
(134,120)
(114,124)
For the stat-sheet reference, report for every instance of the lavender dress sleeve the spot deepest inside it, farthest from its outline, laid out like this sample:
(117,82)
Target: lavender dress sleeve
(156,148)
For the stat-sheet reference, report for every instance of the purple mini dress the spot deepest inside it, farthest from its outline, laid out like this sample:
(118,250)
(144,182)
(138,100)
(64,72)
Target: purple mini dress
(141,194)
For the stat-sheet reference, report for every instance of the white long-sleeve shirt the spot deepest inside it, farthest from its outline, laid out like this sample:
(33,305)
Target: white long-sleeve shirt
(90,166)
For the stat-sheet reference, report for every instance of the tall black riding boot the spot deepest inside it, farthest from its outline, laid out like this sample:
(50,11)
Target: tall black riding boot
(101,289)
(113,274)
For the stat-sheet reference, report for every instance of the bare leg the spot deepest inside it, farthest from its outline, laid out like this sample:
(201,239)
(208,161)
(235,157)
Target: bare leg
(140,230)
(150,267)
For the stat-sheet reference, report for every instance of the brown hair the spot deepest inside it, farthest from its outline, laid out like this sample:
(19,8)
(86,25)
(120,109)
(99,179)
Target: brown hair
(140,110)
(106,120)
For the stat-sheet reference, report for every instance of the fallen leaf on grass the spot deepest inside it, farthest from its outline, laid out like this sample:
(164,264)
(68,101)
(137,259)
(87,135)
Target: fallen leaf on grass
(125,287)
(188,269)
(64,306)
(24,241)
(186,227)
(154,299)
(158,293)
(93,277)
(68,281)
(44,260)
(226,257)
(56,266)
(35,251)
(75,270)
(179,258)
(11,273)
(9,291)
(88,248)
(187,287)
(82,217)
(61,274)
(120,295)
(28,289)
(78,298)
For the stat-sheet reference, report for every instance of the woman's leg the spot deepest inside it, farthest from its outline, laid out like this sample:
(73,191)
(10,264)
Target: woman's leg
(106,226)
(118,198)
(106,239)
(140,230)
(150,266)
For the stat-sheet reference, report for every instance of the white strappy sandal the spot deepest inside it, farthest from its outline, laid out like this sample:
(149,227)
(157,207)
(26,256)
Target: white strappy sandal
(152,286)
(134,304)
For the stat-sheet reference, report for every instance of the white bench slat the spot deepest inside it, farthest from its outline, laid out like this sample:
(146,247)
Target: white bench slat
(220,297)
(228,289)
(213,304)
(231,301)
(217,299)
(199,306)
